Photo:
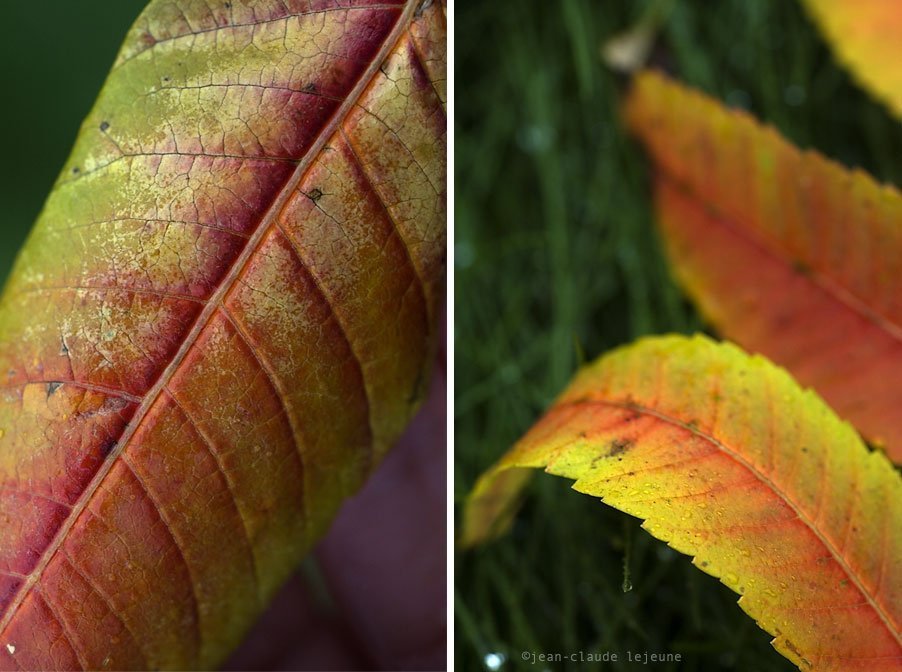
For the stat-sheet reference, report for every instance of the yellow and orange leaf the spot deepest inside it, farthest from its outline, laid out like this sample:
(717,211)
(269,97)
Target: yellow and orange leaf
(727,459)
(222,320)
(867,37)
(785,252)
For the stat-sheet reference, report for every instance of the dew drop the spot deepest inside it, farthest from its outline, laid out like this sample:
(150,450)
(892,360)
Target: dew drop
(493,661)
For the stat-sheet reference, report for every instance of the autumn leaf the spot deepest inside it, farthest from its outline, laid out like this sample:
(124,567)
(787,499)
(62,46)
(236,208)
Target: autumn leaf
(785,252)
(223,318)
(867,37)
(727,459)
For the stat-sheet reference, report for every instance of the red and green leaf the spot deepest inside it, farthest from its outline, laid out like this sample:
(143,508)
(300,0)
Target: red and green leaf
(223,318)
(727,459)
(785,252)
(867,36)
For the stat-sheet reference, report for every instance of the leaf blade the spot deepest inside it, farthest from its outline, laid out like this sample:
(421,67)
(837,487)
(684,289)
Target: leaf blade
(784,251)
(228,312)
(671,430)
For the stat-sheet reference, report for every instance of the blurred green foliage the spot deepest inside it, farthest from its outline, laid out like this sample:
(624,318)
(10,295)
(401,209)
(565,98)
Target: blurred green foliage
(556,258)
(56,55)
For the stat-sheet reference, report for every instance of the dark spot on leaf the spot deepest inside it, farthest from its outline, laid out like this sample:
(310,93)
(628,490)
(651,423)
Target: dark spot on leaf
(309,88)
(53,387)
(315,195)
(107,447)
(104,125)
(801,267)
(805,663)
(619,446)
(75,170)
(166,79)
(228,5)
(804,449)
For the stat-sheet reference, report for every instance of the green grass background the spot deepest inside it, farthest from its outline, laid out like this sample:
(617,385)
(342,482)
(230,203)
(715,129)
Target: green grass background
(556,256)
(55,56)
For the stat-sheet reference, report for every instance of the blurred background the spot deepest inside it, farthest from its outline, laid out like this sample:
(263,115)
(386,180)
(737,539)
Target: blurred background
(557,260)
(56,55)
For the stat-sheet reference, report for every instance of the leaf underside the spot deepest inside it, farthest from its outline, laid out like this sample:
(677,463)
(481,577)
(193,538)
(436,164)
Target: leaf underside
(728,460)
(785,252)
(223,318)
(865,34)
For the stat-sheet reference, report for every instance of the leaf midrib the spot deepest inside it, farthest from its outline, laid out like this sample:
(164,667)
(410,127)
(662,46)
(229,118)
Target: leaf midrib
(226,283)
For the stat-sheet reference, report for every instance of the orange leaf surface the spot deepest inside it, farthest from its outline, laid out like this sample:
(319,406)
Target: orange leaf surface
(728,460)
(867,37)
(785,252)
(222,320)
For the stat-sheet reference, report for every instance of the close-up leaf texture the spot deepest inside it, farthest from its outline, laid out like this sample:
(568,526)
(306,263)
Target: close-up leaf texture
(222,320)
(867,37)
(728,460)
(785,252)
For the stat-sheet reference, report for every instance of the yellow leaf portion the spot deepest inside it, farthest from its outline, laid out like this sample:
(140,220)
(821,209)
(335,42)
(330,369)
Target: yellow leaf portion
(867,37)
(727,459)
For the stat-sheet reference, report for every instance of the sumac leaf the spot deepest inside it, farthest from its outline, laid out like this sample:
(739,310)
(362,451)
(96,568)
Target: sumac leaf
(785,252)
(867,37)
(223,318)
(727,459)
